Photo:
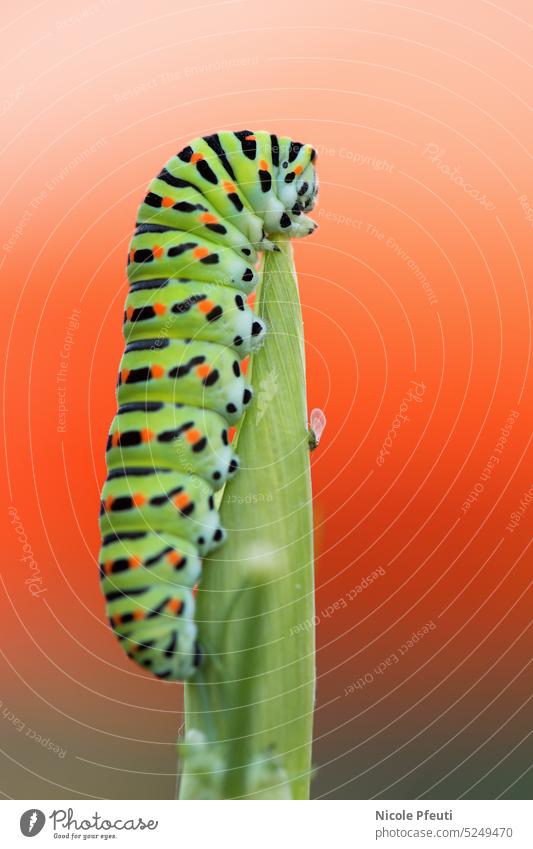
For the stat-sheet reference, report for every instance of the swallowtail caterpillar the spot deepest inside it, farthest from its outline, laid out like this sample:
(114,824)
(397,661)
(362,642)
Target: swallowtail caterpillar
(181,387)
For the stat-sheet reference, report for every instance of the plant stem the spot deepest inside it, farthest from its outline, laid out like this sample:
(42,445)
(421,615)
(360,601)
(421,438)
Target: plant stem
(253,699)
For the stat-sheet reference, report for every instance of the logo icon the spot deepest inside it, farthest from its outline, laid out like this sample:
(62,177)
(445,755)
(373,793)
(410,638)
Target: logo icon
(32,822)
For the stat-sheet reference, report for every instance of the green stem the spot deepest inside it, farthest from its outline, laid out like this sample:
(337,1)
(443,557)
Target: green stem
(252,703)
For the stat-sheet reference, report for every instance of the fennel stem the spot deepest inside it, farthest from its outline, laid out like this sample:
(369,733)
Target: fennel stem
(249,711)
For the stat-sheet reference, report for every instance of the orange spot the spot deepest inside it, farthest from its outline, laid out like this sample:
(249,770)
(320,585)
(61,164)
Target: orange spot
(181,500)
(132,255)
(195,591)
(193,435)
(203,370)
(109,503)
(146,435)
(174,557)
(196,157)
(159,309)
(250,300)
(108,567)
(263,165)
(138,499)
(167,201)
(244,365)
(134,649)
(298,169)
(249,138)
(157,371)
(124,374)
(207,218)
(199,253)
(115,439)
(175,606)
(205,306)
(157,251)
(129,313)
(135,562)
(231,433)
(138,614)
(229,187)
(117,619)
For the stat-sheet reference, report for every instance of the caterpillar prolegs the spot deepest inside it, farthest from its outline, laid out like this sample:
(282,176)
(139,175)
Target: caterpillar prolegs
(187,326)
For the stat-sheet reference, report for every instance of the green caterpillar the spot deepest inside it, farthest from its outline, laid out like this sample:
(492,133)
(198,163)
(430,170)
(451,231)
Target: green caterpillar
(187,326)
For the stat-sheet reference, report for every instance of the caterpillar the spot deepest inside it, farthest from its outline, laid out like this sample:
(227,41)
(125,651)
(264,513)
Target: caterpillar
(181,385)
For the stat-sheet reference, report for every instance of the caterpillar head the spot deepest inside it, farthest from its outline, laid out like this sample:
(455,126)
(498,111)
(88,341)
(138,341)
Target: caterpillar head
(297,185)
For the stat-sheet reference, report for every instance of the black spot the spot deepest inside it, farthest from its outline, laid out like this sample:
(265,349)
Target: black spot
(175,433)
(246,396)
(248,275)
(285,221)
(112,596)
(246,251)
(200,541)
(231,408)
(303,188)
(141,407)
(153,200)
(211,502)
(197,655)
(130,438)
(215,314)
(149,284)
(210,259)
(239,301)
(125,535)
(274,149)
(236,201)
(225,439)
(249,146)
(122,503)
(236,368)
(169,651)
(294,150)
(217,536)
(200,445)
(233,466)
(135,472)
(185,154)
(290,177)
(217,228)
(151,561)
(185,206)
(215,144)
(153,228)
(205,170)
(238,341)
(266,180)
(181,371)
(147,345)
(184,306)
(216,476)
(211,378)
(143,255)
(138,375)
(177,250)
(256,328)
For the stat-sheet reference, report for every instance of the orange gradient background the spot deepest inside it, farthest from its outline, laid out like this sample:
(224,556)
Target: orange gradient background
(418,272)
